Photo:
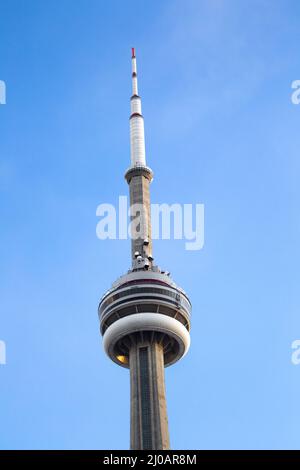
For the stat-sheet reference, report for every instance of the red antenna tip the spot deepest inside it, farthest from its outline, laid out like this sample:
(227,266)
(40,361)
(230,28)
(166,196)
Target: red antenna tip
(133,51)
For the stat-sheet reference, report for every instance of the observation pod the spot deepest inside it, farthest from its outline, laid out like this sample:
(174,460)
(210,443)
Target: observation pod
(145,306)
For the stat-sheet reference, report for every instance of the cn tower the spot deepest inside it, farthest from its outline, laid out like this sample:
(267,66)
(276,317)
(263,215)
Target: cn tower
(145,316)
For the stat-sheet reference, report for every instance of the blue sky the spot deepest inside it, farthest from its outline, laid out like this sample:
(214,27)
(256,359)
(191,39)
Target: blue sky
(215,78)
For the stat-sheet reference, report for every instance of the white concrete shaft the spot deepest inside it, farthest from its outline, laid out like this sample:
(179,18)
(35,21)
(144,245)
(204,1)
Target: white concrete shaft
(137,141)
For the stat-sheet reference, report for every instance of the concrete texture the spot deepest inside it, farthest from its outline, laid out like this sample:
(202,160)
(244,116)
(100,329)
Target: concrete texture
(148,414)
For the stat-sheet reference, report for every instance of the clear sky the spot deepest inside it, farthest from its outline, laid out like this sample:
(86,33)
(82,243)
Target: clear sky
(215,78)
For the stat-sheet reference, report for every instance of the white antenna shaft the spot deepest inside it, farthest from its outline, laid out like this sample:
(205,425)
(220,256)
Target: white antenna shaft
(137,133)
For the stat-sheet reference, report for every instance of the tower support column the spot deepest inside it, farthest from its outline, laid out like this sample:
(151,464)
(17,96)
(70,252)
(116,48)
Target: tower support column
(148,420)
(139,179)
